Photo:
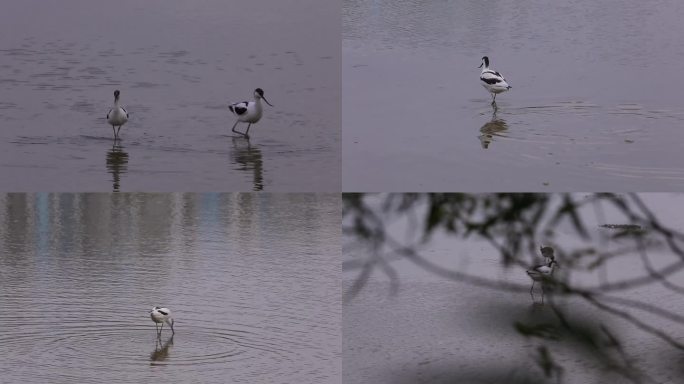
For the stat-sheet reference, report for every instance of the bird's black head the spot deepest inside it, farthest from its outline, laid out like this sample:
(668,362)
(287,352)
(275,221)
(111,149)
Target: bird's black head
(259,94)
(485,62)
(547,252)
(116,94)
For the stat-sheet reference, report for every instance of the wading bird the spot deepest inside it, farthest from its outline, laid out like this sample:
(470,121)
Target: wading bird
(117,116)
(162,315)
(493,81)
(543,271)
(248,111)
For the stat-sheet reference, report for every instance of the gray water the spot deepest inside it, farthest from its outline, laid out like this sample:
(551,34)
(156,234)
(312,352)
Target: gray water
(436,330)
(178,65)
(252,282)
(595,105)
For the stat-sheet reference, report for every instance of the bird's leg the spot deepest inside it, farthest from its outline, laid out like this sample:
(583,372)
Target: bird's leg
(247,132)
(162,327)
(235,125)
(531,290)
(114,130)
(117,131)
(493,98)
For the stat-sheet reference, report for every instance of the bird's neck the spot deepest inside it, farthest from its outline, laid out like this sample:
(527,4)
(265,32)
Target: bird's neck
(116,102)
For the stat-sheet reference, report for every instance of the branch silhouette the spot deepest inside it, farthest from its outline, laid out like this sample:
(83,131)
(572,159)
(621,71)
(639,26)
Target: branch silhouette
(514,225)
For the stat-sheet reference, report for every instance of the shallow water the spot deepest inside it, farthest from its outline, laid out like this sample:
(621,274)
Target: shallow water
(429,329)
(178,65)
(252,282)
(592,105)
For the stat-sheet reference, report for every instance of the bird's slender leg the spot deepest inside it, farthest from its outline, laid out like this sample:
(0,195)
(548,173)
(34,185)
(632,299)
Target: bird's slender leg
(235,125)
(117,131)
(531,290)
(247,132)
(114,130)
(162,327)
(494,99)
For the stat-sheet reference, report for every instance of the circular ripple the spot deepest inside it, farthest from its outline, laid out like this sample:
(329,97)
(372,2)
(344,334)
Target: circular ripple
(91,348)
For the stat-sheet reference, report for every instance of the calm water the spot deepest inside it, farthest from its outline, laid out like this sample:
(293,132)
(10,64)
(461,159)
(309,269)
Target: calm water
(253,282)
(438,331)
(593,104)
(178,65)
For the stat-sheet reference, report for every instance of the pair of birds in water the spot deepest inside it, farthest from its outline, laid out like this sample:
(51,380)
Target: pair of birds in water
(245,111)
(537,273)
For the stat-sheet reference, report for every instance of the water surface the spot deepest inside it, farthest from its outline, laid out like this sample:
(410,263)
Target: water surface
(178,65)
(252,282)
(435,330)
(592,105)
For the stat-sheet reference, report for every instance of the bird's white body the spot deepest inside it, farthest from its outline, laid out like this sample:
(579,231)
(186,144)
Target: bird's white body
(160,316)
(538,272)
(117,116)
(248,111)
(492,80)
(543,271)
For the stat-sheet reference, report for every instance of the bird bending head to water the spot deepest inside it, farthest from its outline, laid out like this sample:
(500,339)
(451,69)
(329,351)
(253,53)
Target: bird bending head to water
(248,111)
(162,315)
(117,116)
(493,81)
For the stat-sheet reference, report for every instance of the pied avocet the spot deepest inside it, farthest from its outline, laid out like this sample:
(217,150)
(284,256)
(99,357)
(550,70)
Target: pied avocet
(492,80)
(161,315)
(117,116)
(543,271)
(248,111)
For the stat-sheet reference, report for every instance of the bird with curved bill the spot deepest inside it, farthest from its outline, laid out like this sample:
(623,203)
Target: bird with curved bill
(248,111)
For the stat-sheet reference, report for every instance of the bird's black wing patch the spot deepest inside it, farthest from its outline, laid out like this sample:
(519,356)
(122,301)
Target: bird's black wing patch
(126,112)
(110,111)
(239,108)
(490,80)
(162,312)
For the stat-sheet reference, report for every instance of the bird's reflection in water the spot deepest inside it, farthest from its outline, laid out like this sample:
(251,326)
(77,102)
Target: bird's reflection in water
(161,350)
(117,163)
(248,158)
(495,127)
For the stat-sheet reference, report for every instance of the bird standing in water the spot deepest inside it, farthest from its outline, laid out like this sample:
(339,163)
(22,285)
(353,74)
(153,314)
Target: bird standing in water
(543,271)
(493,81)
(162,315)
(117,116)
(248,111)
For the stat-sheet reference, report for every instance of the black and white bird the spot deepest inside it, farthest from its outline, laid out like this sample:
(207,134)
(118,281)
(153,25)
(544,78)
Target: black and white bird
(117,116)
(493,81)
(160,316)
(248,111)
(543,271)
